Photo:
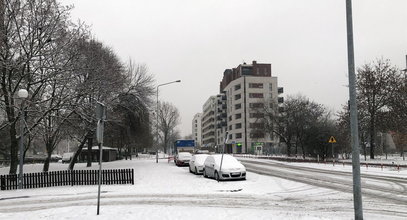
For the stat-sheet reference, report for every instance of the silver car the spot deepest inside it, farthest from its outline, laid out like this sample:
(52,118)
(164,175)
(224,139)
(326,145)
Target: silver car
(231,168)
(196,164)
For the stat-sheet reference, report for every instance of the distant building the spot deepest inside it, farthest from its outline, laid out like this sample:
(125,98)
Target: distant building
(221,121)
(208,123)
(197,129)
(249,89)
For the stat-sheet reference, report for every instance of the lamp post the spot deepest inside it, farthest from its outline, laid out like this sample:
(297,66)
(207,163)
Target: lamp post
(22,94)
(156,124)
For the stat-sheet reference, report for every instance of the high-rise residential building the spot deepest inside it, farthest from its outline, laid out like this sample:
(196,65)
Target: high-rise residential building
(221,121)
(197,129)
(208,123)
(249,89)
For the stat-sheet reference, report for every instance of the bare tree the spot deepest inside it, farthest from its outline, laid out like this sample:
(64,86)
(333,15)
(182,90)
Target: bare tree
(168,119)
(34,35)
(376,84)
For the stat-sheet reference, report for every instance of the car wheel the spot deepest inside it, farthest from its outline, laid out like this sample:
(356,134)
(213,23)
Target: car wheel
(216,176)
(190,170)
(204,173)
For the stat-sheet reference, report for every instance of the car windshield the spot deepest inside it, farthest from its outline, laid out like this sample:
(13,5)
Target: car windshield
(200,158)
(227,159)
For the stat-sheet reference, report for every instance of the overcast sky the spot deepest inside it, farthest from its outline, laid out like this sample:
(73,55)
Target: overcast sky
(196,40)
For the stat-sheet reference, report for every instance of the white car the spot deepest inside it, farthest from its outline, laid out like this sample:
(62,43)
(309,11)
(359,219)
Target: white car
(182,158)
(196,164)
(231,168)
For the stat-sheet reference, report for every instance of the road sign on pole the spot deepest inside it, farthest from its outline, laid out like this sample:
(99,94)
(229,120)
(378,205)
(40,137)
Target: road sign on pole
(100,116)
(332,140)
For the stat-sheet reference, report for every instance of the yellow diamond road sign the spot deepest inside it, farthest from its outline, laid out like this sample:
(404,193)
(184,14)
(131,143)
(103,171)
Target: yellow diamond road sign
(332,140)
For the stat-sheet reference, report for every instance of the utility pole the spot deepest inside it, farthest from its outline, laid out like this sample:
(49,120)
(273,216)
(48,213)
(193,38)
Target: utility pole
(357,192)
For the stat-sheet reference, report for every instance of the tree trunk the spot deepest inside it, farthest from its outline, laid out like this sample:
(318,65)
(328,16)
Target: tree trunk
(77,153)
(46,163)
(288,149)
(49,149)
(13,149)
(372,138)
(89,156)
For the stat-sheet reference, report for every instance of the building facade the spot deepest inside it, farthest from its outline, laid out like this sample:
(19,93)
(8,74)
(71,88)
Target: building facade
(197,129)
(208,123)
(249,90)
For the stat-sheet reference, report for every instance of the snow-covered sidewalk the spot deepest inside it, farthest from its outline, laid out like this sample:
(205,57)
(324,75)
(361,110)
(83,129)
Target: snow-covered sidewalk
(164,191)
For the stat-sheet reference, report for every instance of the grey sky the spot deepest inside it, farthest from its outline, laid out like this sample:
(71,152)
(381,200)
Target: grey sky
(196,40)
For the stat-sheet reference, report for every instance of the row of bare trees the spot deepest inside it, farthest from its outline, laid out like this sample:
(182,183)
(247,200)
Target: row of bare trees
(66,72)
(305,126)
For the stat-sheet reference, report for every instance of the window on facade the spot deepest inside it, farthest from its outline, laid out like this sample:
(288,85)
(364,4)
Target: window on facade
(257,135)
(256,105)
(238,135)
(256,85)
(237,116)
(271,87)
(230,118)
(238,125)
(256,115)
(256,125)
(230,136)
(238,106)
(238,96)
(256,95)
(237,87)
(230,127)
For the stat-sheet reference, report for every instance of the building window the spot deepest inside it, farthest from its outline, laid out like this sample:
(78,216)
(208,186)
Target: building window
(238,106)
(237,87)
(256,115)
(257,135)
(230,136)
(238,96)
(271,87)
(238,135)
(238,125)
(256,95)
(230,127)
(256,105)
(256,85)
(237,116)
(256,125)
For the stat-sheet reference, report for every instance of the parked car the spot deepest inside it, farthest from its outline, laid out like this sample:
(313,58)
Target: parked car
(66,157)
(183,158)
(55,158)
(196,164)
(231,168)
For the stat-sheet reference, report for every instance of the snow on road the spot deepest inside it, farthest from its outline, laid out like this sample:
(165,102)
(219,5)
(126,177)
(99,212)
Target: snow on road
(164,191)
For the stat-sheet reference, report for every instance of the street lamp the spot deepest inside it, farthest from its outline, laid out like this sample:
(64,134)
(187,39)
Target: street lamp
(156,127)
(22,94)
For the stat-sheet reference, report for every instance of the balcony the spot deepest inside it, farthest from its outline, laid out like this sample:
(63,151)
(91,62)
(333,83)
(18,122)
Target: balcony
(280,100)
(280,90)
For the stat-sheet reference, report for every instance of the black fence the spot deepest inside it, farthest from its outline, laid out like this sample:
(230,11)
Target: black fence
(67,177)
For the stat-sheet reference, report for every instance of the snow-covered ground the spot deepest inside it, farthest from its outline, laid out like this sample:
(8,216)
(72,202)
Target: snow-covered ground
(164,191)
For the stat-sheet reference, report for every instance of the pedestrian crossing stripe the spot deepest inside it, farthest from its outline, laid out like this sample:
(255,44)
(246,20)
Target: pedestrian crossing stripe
(332,140)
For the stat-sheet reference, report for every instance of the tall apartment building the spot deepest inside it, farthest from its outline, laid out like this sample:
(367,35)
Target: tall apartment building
(197,129)
(221,121)
(208,123)
(249,88)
